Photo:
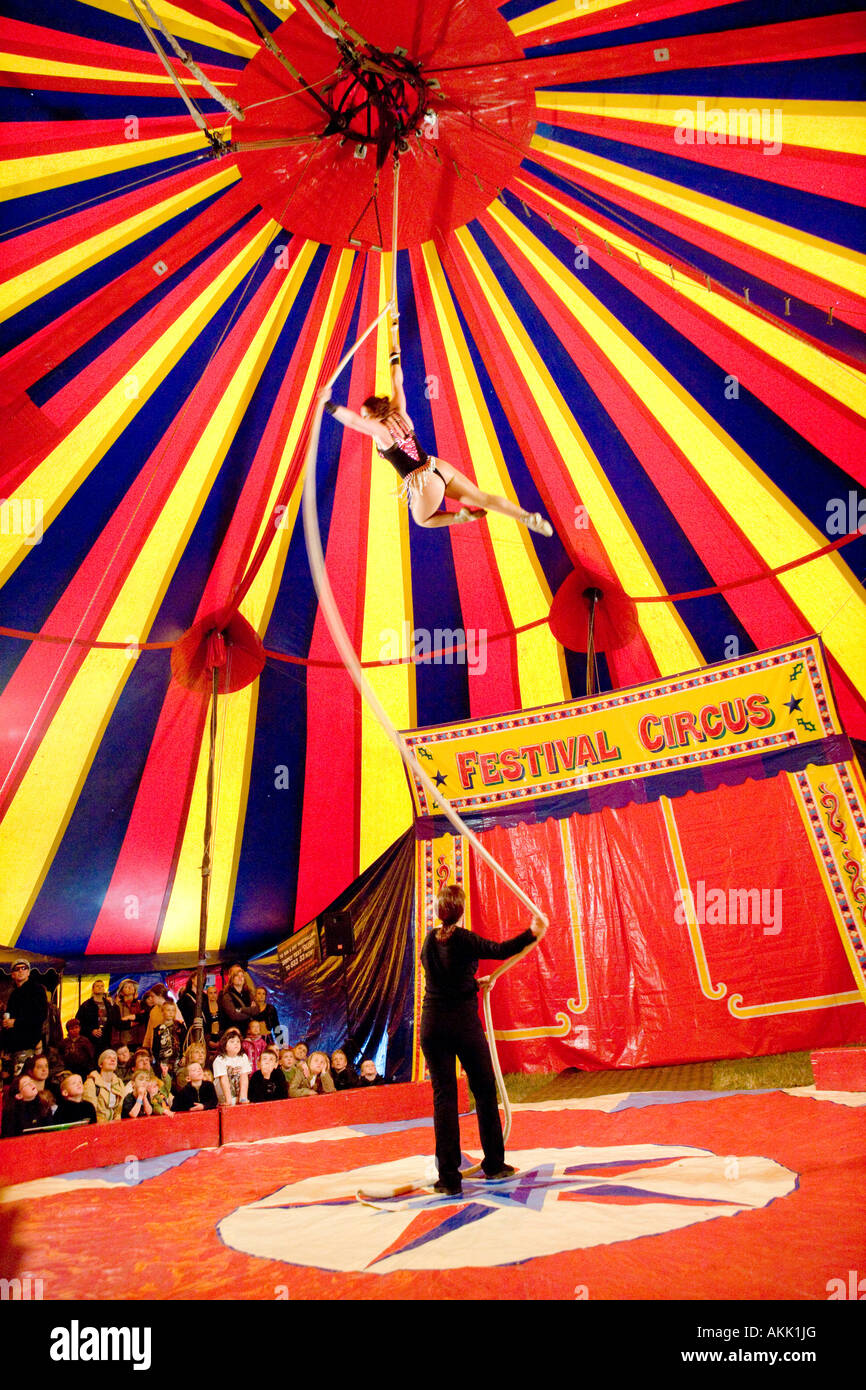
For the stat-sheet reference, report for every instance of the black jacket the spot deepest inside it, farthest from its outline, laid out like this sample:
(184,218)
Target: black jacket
(450,965)
(28,1006)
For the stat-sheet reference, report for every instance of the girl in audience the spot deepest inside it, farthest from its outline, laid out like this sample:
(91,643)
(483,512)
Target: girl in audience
(24,1108)
(38,1068)
(345,1077)
(268,1083)
(143,1061)
(231,1069)
(104,1088)
(321,1079)
(254,1042)
(137,1104)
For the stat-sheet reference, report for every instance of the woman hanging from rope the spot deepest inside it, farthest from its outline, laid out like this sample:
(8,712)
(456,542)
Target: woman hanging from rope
(426,480)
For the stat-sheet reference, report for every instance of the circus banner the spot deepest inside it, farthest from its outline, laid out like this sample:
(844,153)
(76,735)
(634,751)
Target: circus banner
(766,704)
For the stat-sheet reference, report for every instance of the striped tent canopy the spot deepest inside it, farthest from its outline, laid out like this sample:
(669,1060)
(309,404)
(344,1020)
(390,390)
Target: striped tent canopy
(632,296)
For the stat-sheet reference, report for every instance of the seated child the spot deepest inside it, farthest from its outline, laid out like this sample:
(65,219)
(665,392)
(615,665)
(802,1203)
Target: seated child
(125,1065)
(344,1075)
(137,1104)
(72,1108)
(24,1108)
(76,1052)
(369,1074)
(321,1079)
(198,1093)
(268,1083)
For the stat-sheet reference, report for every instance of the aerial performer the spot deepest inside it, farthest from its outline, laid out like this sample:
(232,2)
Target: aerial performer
(451,1029)
(426,480)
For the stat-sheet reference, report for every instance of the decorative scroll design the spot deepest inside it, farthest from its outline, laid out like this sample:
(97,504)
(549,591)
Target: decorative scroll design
(708,989)
(790,1006)
(830,802)
(858,892)
(519,1034)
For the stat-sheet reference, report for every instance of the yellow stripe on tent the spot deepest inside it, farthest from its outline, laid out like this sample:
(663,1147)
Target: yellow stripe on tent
(183,23)
(672,645)
(49,790)
(559,12)
(20,177)
(26,66)
(840,381)
(761,511)
(839,126)
(836,264)
(49,487)
(47,275)
(541,669)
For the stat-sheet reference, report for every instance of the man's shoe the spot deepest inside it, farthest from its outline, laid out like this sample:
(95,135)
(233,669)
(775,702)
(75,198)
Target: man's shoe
(448,1189)
(505,1172)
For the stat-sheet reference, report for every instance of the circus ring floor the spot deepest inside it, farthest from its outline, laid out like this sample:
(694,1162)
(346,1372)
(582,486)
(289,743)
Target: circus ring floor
(640,1196)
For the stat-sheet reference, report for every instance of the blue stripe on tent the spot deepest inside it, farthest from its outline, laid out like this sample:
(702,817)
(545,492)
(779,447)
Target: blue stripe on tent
(829,218)
(841,77)
(803,317)
(69,901)
(54,381)
(575,664)
(804,475)
(20,105)
(667,545)
(31,593)
(23,214)
(267,17)
(724,19)
(69,17)
(442,688)
(191,576)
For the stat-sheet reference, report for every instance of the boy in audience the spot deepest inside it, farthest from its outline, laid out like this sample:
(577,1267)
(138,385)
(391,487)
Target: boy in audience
(75,1051)
(268,1083)
(168,1039)
(369,1074)
(197,1093)
(125,1066)
(72,1108)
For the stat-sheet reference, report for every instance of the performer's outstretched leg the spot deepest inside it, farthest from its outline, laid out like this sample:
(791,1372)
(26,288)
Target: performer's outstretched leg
(461,490)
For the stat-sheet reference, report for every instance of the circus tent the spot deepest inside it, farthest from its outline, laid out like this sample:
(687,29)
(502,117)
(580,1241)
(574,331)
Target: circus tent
(631,287)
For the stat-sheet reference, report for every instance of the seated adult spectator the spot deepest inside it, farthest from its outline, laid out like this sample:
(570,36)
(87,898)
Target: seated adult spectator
(168,1039)
(268,1083)
(130,1016)
(24,1017)
(267,1014)
(95,1018)
(254,1042)
(344,1075)
(104,1088)
(231,1070)
(369,1074)
(198,1093)
(321,1079)
(72,1108)
(237,1003)
(76,1053)
(24,1109)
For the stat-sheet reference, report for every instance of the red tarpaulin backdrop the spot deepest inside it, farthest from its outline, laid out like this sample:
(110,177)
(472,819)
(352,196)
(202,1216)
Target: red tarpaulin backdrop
(622,980)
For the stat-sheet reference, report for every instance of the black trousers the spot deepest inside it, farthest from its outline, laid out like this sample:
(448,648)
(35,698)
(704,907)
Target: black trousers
(446,1035)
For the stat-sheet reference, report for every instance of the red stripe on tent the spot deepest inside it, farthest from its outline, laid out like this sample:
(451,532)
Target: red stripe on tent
(142,859)
(798,41)
(328,862)
(794,166)
(634,662)
(42,679)
(750,260)
(722,548)
(532,190)
(483,595)
(832,428)
(35,138)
